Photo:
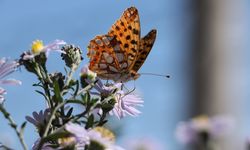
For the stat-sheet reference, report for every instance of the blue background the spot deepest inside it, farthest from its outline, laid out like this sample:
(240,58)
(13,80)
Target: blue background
(77,22)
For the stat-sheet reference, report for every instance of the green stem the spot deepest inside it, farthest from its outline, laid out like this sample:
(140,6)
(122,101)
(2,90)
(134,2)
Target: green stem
(49,123)
(14,126)
(69,77)
(51,118)
(45,85)
(101,121)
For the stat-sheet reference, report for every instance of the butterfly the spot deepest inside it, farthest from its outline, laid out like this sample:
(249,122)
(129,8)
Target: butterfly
(119,54)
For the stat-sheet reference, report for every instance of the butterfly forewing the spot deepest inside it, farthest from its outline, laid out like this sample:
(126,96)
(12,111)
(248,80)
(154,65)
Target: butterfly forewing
(127,32)
(146,44)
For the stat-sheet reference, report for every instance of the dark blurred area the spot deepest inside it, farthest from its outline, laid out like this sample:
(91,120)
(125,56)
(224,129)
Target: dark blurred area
(220,63)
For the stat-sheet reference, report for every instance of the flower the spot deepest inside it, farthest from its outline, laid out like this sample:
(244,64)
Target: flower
(80,134)
(37,47)
(95,139)
(6,68)
(39,120)
(125,104)
(102,139)
(203,127)
(72,56)
(106,90)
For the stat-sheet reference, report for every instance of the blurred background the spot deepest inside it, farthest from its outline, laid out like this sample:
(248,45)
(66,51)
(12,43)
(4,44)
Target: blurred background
(202,44)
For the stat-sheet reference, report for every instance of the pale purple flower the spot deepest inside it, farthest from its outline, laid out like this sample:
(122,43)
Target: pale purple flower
(2,92)
(79,133)
(126,104)
(189,132)
(38,47)
(105,90)
(84,137)
(79,137)
(39,119)
(6,68)
(105,142)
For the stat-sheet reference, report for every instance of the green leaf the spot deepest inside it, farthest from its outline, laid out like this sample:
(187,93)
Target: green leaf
(38,84)
(76,101)
(41,94)
(90,121)
(94,100)
(23,127)
(77,88)
(86,98)
(69,112)
(57,92)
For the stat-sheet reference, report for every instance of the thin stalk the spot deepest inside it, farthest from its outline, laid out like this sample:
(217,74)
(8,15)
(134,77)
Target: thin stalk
(45,85)
(14,126)
(69,77)
(52,117)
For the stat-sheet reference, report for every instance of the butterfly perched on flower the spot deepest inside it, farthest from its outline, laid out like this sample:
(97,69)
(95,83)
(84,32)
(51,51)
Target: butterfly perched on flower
(119,54)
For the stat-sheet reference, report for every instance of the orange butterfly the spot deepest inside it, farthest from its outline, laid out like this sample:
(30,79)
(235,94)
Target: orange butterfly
(119,54)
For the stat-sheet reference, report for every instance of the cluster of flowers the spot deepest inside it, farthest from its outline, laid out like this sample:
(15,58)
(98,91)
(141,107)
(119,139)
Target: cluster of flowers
(58,125)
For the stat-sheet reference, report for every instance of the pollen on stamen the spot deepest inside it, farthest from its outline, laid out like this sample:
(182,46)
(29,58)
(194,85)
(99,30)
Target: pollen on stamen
(37,46)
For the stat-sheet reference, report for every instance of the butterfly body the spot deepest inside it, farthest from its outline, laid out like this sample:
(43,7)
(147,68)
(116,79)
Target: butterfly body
(119,54)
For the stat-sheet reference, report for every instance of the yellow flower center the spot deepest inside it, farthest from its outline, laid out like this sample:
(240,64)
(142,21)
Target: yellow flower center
(37,46)
(66,141)
(106,133)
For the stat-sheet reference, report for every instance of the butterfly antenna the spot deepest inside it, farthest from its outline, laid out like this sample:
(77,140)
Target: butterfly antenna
(154,74)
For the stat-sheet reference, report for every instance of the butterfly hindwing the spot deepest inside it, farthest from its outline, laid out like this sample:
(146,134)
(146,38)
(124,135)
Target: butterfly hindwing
(146,44)
(103,60)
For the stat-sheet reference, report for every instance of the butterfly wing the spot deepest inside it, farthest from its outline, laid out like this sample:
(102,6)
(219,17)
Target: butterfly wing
(146,44)
(103,60)
(126,30)
(119,54)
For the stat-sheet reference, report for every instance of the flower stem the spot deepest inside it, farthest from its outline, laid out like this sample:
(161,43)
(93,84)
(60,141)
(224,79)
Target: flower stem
(69,77)
(14,126)
(52,117)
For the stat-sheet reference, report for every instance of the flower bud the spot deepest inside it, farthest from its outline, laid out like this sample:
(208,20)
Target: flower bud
(72,56)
